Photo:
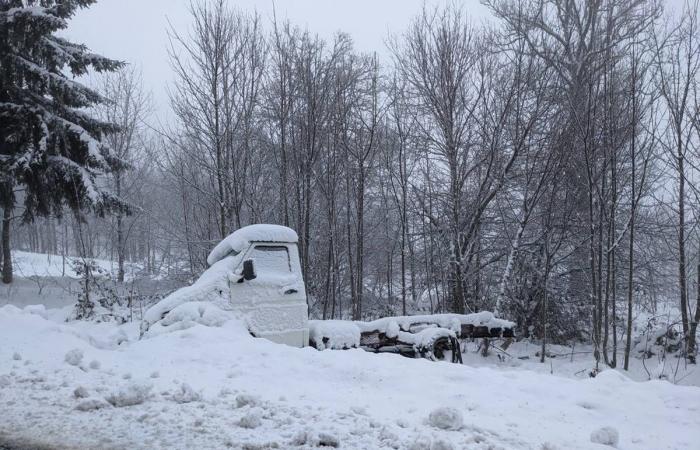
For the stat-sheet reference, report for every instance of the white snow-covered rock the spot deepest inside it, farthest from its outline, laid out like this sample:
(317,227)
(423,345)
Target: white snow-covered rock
(606,436)
(446,418)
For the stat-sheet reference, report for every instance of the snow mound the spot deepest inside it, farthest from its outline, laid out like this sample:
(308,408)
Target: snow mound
(189,314)
(251,420)
(315,439)
(247,400)
(446,418)
(334,334)
(81,392)
(186,394)
(606,436)
(39,310)
(130,395)
(441,444)
(240,239)
(74,357)
(211,286)
(92,404)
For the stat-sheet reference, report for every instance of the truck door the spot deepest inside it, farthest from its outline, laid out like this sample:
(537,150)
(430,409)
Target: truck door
(274,301)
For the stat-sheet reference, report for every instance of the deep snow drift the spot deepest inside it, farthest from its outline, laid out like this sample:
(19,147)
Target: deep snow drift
(96,385)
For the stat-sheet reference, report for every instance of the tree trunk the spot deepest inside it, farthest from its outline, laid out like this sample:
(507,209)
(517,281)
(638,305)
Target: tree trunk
(6,249)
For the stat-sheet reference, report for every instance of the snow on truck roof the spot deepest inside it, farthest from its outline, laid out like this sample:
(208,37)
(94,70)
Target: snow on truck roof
(241,238)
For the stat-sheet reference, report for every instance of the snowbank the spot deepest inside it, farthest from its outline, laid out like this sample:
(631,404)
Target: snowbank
(218,387)
(240,239)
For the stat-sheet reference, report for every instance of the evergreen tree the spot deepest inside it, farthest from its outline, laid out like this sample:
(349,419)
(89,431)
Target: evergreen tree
(51,148)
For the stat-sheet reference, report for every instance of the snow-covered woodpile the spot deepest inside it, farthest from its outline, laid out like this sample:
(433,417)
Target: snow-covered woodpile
(431,336)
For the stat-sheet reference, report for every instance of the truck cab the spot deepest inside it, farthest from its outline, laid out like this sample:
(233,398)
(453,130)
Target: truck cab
(254,274)
(267,289)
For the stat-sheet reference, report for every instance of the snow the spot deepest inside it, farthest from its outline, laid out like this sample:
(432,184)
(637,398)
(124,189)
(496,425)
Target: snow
(305,398)
(446,418)
(240,239)
(450,321)
(334,334)
(211,287)
(606,436)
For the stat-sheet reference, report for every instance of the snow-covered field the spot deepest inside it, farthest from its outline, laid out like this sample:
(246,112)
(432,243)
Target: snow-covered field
(87,385)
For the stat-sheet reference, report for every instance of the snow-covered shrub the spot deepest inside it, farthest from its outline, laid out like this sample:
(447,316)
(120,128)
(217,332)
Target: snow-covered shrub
(132,394)
(74,357)
(5,380)
(98,299)
(657,338)
(16,356)
(606,436)
(446,418)
(185,394)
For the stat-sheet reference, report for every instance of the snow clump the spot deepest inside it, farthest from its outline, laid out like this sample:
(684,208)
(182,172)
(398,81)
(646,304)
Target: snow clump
(91,404)
(80,392)
(17,357)
(247,400)
(252,419)
(606,436)
(312,439)
(132,394)
(74,357)
(186,394)
(446,418)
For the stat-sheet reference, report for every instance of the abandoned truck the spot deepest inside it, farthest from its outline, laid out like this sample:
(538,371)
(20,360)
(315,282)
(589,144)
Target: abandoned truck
(254,274)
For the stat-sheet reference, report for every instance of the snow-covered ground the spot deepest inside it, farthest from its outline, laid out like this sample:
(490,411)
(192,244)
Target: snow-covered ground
(87,385)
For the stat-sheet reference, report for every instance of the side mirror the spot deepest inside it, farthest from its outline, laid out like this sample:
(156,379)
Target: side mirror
(249,270)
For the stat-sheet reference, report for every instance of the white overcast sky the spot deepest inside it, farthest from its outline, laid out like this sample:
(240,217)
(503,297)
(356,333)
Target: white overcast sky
(135,30)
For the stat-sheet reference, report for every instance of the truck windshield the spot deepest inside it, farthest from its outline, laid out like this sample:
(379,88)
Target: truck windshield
(271,259)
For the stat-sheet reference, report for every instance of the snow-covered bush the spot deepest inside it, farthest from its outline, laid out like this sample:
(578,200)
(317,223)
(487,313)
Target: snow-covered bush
(132,394)
(98,299)
(446,418)
(606,436)
(657,338)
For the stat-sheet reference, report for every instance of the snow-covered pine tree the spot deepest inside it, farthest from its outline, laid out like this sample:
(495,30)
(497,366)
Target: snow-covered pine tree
(51,148)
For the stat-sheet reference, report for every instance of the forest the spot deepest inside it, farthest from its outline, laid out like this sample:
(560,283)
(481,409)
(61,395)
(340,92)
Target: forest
(543,165)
